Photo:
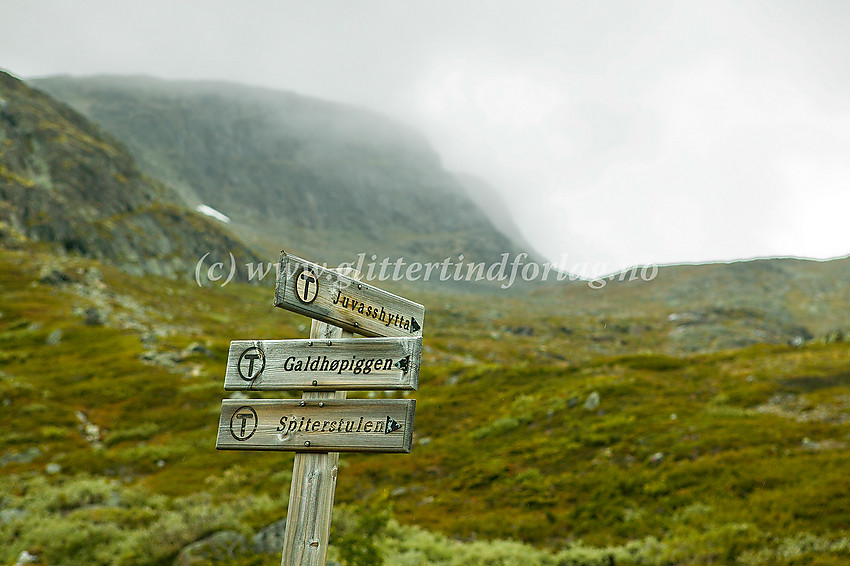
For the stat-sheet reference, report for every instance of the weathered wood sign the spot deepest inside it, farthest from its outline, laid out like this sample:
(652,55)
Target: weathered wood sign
(329,296)
(323,422)
(329,365)
(333,425)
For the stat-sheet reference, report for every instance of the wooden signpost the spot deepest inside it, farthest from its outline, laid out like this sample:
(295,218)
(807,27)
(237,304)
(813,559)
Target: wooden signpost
(323,422)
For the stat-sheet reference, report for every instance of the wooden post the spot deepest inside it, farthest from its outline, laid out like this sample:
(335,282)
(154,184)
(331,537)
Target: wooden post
(311,496)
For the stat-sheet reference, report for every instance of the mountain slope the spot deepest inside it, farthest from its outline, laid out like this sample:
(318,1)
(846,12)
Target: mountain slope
(295,172)
(497,210)
(722,305)
(64,181)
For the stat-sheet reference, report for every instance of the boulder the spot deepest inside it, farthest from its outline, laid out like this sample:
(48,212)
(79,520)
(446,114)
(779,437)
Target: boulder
(218,548)
(26,558)
(592,401)
(270,538)
(54,338)
(197,348)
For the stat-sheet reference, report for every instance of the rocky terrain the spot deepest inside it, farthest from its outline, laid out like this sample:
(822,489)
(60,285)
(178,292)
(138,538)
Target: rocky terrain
(68,184)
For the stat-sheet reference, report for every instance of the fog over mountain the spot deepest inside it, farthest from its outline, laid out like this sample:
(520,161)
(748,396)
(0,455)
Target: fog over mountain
(617,133)
(293,172)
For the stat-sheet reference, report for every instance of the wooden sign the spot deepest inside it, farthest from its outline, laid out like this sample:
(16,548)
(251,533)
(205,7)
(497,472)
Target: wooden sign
(332,425)
(325,365)
(329,296)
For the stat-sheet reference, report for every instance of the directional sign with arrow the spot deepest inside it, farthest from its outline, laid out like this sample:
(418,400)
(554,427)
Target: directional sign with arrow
(392,425)
(330,365)
(334,425)
(329,296)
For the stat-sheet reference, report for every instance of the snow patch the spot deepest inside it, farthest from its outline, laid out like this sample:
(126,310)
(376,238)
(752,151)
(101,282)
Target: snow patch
(210,211)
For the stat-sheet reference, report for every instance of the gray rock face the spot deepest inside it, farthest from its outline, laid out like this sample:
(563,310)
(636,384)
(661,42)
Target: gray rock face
(289,168)
(67,182)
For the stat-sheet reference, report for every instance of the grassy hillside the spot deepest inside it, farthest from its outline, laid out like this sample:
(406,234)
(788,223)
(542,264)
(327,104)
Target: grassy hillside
(693,308)
(543,447)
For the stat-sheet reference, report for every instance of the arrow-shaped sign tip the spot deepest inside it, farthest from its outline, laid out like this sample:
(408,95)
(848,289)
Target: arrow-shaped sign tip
(392,425)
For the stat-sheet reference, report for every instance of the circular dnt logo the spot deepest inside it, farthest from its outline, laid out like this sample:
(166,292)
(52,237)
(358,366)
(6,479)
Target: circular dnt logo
(243,423)
(306,285)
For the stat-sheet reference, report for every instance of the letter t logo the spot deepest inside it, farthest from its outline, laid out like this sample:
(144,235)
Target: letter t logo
(306,286)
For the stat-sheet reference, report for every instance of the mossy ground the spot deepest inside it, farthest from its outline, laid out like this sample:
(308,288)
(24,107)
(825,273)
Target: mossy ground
(737,456)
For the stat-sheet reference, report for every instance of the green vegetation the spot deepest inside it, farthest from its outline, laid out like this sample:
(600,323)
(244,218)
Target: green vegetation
(529,449)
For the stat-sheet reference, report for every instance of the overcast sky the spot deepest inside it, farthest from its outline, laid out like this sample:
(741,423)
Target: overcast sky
(620,132)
